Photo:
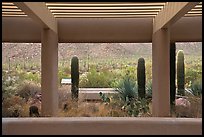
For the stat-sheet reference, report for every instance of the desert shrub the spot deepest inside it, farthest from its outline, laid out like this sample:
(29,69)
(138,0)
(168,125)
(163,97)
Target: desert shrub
(191,75)
(28,90)
(13,105)
(126,108)
(131,103)
(10,82)
(32,76)
(64,95)
(193,72)
(149,89)
(127,99)
(63,72)
(196,107)
(136,107)
(96,79)
(131,71)
(196,87)
(148,67)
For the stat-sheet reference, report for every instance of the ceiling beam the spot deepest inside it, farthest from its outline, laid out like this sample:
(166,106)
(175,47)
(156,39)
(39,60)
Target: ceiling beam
(104,4)
(171,12)
(116,30)
(39,12)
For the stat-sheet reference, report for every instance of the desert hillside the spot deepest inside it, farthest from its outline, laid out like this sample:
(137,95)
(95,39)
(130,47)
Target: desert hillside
(32,51)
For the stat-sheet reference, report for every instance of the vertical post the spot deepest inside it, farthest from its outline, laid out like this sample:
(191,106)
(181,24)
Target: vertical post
(49,63)
(161,73)
(172,74)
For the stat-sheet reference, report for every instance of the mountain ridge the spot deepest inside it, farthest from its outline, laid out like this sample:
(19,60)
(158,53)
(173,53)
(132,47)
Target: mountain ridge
(32,51)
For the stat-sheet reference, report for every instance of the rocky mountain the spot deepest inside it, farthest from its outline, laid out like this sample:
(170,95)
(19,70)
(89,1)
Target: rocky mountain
(32,51)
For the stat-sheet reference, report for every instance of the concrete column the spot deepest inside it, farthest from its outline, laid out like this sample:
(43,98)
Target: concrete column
(49,79)
(161,73)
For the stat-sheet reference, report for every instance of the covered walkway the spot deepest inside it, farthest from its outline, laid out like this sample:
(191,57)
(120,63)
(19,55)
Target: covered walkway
(51,23)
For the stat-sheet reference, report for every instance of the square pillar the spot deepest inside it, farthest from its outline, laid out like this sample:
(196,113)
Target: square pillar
(161,73)
(49,73)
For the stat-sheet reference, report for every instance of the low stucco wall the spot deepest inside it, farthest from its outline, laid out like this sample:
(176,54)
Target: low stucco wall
(93,93)
(102,126)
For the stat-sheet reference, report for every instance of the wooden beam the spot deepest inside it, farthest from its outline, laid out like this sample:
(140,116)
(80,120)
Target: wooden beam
(40,13)
(121,30)
(171,12)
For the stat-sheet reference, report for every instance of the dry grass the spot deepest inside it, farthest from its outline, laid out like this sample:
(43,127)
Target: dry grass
(90,109)
(97,109)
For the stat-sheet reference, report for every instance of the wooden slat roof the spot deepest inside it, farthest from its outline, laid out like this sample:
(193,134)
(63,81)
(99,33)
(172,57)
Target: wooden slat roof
(99,9)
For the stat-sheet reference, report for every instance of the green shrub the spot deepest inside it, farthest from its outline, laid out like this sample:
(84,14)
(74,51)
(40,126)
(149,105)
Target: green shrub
(136,107)
(32,76)
(149,89)
(28,90)
(10,82)
(192,73)
(94,79)
(63,72)
(130,71)
(196,87)
(129,100)
(148,68)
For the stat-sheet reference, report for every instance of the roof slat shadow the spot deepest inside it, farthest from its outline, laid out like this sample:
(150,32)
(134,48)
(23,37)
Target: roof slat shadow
(105,10)
(103,4)
(196,11)
(99,9)
(10,10)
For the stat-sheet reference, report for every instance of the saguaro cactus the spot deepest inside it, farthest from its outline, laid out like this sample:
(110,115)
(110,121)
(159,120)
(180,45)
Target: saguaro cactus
(180,73)
(75,78)
(141,77)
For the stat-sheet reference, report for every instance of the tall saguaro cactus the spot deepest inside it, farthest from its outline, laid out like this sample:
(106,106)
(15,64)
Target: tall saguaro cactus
(180,73)
(141,77)
(75,78)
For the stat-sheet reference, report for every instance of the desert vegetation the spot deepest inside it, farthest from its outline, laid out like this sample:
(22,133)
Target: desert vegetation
(119,69)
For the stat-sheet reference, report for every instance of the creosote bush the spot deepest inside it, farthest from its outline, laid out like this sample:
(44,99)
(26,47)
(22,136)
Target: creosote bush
(94,79)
